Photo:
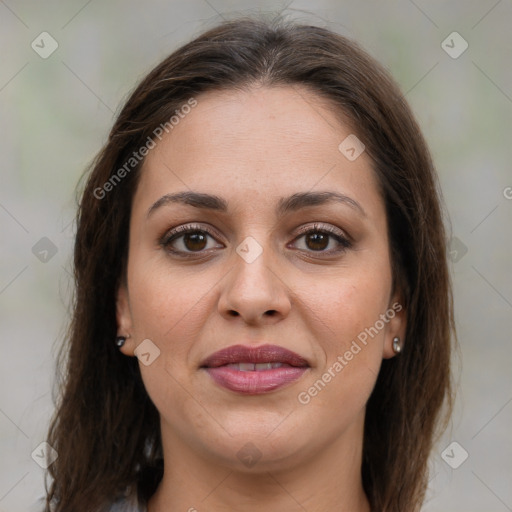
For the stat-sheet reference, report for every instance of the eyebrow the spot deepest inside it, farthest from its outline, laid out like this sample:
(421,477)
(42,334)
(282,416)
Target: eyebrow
(285,205)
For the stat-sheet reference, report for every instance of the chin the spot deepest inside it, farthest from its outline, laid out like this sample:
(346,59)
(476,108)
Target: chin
(257,443)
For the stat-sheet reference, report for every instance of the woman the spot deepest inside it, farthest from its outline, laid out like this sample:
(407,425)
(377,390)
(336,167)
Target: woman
(263,310)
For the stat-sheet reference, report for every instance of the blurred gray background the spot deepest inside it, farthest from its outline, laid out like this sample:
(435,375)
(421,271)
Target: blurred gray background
(55,113)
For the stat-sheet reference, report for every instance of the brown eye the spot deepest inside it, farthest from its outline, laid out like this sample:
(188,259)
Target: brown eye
(195,241)
(187,240)
(317,241)
(323,240)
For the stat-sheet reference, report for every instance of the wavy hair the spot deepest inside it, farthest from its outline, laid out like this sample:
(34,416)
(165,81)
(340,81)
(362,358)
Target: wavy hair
(105,427)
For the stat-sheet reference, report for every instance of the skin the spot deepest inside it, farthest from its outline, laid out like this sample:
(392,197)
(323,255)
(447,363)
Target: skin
(251,148)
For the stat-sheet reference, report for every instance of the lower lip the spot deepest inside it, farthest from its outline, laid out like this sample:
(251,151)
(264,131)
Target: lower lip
(255,382)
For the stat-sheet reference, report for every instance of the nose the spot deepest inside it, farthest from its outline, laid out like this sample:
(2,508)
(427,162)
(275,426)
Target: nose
(255,292)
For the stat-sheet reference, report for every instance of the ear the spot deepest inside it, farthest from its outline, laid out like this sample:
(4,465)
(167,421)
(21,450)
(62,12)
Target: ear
(124,320)
(397,325)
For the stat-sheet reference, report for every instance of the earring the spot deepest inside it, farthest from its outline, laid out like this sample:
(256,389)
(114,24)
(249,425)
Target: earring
(397,348)
(120,340)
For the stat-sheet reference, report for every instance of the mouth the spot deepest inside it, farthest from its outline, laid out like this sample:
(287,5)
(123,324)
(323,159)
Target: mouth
(254,370)
(255,367)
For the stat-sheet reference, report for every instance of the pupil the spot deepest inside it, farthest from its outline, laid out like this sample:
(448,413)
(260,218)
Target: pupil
(195,241)
(319,241)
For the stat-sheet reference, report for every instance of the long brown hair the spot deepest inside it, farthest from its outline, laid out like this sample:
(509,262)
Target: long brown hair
(105,428)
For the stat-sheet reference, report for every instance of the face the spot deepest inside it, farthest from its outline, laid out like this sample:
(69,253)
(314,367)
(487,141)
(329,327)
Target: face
(292,250)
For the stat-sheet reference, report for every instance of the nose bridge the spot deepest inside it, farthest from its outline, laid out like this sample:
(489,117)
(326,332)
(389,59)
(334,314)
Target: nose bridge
(254,290)
(252,265)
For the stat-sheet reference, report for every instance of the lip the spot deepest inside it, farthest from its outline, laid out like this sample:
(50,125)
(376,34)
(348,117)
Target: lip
(249,354)
(253,382)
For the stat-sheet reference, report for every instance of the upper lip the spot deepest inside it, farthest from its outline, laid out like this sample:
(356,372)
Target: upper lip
(249,354)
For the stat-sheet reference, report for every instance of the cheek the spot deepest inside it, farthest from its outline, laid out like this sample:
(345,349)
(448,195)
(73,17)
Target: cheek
(169,310)
(165,302)
(358,306)
(348,309)
(347,303)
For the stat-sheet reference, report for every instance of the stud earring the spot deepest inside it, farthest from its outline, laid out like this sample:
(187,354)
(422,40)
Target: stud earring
(120,340)
(397,347)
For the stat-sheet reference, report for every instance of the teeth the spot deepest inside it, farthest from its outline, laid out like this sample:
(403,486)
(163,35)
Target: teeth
(249,367)
(267,366)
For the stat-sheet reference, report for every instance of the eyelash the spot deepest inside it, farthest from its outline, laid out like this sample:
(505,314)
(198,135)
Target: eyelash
(178,232)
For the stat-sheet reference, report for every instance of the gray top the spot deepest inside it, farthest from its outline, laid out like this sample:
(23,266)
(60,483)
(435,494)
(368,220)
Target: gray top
(121,505)
(127,506)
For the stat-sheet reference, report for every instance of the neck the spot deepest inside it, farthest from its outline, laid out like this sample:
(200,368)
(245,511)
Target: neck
(328,479)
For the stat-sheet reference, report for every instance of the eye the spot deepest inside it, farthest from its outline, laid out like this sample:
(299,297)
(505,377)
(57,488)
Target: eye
(187,239)
(325,239)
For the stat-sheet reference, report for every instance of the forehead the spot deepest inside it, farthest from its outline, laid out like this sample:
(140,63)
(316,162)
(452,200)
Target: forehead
(261,140)
(285,117)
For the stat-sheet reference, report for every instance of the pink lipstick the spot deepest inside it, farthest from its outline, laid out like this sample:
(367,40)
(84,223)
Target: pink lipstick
(254,370)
